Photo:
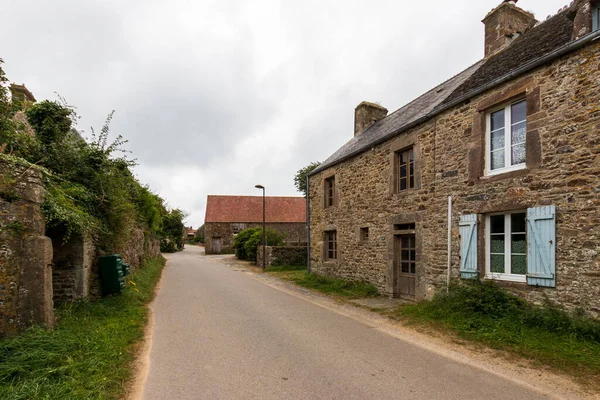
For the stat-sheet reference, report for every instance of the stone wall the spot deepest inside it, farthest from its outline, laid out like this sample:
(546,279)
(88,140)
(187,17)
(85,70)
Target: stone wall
(295,234)
(563,169)
(282,255)
(25,253)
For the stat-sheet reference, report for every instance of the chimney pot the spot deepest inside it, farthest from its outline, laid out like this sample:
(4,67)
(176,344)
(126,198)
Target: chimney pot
(365,114)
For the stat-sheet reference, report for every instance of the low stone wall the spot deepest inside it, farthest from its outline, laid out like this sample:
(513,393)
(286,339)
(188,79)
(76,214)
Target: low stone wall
(282,255)
(25,253)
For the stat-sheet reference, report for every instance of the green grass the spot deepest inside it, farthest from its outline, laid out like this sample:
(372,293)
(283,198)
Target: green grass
(331,286)
(485,313)
(89,354)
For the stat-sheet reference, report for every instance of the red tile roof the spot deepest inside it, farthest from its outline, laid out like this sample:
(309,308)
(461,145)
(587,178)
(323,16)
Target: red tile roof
(250,209)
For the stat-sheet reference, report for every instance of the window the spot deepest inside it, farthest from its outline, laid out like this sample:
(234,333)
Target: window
(404,227)
(405,170)
(330,192)
(330,245)
(596,18)
(237,227)
(507,129)
(364,234)
(506,246)
(519,246)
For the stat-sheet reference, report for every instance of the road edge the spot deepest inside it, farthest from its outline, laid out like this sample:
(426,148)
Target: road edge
(142,358)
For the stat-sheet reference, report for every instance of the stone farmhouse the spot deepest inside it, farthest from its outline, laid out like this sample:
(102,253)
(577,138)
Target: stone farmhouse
(226,216)
(508,150)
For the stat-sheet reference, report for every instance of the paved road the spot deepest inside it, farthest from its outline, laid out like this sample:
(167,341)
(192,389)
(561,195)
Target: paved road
(221,334)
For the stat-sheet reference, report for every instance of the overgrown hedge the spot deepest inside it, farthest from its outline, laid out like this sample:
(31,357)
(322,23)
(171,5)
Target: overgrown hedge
(89,185)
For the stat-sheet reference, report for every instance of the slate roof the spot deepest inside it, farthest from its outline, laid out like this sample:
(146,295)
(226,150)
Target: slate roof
(250,209)
(536,43)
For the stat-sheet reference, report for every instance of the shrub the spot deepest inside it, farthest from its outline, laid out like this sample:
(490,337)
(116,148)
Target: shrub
(246,242)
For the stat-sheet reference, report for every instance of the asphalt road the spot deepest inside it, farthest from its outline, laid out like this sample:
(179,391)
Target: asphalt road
(221,334)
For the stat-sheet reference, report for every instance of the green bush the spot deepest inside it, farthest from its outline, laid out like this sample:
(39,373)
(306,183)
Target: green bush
(246,242)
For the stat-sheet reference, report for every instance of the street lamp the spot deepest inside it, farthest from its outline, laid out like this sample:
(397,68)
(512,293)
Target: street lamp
(264,233)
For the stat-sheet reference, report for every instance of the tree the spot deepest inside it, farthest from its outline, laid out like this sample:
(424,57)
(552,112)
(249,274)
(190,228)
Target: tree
(300,178)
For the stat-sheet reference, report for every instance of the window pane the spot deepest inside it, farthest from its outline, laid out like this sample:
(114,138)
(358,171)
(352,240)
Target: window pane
(403,171)
(518,133)
(405,242)
(497,244)
(518,154)
(412,242)
(405,268)
(497,263)
(405,255)
(519,265)
(498,159)
(413,255)
(413,268)
(518,112)
(497,120)
(412,155)
(518,223)
(518,244)
(497,140)
(412,181)
(403,184)
(403,158)
(497,224)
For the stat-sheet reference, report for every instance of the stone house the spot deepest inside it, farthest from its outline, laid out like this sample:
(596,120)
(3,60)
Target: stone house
(226,216)
(494,174)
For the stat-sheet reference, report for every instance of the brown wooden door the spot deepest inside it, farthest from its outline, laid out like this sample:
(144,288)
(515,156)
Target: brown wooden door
(216,245)
(405,265)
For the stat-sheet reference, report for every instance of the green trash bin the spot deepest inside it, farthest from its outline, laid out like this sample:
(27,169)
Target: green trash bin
(111,274)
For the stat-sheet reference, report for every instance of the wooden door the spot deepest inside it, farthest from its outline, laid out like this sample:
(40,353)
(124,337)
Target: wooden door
(405,265)
(216,245)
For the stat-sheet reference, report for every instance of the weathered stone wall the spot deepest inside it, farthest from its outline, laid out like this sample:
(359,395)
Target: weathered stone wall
(295,233)
(282,255)
(563,169)
(25,253)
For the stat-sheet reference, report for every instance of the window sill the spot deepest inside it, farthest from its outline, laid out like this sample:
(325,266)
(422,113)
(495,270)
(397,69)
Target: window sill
(518,173)
(507,278)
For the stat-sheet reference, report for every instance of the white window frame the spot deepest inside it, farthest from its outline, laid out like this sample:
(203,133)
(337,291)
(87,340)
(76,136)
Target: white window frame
(507,248)
(507,140)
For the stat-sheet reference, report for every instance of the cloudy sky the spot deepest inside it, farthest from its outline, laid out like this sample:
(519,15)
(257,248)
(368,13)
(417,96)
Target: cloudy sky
(216,96)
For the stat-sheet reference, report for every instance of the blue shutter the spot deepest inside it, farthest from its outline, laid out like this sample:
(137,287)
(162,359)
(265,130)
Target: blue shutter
(596,19)
(468,246)
(541,246)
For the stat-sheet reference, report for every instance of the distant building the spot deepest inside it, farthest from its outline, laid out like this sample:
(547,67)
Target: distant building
(226,216)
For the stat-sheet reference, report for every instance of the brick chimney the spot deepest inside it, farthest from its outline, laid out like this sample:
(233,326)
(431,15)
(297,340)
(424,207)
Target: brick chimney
(504,24)
(365,114)
(581,12)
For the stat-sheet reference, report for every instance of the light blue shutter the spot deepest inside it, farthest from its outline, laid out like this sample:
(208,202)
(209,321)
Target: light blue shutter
(468,246)
(541,246)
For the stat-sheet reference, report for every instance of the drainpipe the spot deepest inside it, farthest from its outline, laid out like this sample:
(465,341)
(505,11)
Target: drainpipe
(307,226)
(449,241)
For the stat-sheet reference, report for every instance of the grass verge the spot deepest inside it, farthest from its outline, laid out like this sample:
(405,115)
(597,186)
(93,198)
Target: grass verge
(90,352)
(485,313)
(330,286)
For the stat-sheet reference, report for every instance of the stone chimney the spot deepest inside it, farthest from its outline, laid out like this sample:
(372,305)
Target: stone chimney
(365,114)
(581,12)
(504,24)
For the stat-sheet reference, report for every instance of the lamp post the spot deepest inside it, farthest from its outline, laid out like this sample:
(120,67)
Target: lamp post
(264,230)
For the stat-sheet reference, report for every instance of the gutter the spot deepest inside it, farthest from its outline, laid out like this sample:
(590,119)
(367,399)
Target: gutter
(572,46)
